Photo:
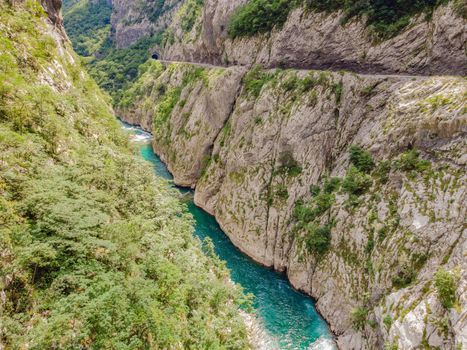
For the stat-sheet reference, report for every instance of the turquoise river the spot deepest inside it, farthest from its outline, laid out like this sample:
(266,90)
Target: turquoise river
(286,318)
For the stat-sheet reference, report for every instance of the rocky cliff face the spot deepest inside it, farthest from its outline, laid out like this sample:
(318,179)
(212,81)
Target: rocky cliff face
(320,41)
(132,21)
(259,146)
(52,8)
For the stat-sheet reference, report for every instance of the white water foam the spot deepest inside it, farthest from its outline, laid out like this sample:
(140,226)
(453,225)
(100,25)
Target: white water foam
(259,337)
(323,344)
(141,138)
(136,134)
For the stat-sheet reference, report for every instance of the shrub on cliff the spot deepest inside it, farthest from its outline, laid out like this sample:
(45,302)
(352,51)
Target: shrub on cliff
(361,159)
(254,81)
(359,316)
(446,286)
(356,182)
(318,238)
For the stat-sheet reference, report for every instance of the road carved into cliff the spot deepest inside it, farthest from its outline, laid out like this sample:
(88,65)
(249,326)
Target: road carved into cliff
(384,76)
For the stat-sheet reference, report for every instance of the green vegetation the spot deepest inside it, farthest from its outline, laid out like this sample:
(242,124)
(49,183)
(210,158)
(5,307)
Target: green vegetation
(165,107)
(289,165)
(359,316)
(168,97)
(190,12)
(151,9)
(254,81)
(410,162)
(391,346)
(404,276)
(116,69)
(382,171)
(318,238)
(446,286)
(308,217)
(385,18)
(259,16)
(388,321)
(460,7)
(338,89)
(331,184)
(95,251)
(361,159)
(147,72)
(282,192)
(356,182)
(87,24)
(408,272)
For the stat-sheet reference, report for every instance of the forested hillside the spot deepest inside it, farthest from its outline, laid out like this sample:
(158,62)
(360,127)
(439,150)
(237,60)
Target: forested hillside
(95,251)
(89,25)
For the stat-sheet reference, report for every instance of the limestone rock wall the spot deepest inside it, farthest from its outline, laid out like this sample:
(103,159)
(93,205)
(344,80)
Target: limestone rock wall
(319,41)
(131,20)
(232,141)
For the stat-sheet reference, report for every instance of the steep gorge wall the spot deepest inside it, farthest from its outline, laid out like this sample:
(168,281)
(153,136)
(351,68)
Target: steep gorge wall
(252,144)
(133,20)
(319,41)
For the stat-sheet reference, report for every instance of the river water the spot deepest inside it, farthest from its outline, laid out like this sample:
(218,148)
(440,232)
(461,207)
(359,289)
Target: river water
(287,319)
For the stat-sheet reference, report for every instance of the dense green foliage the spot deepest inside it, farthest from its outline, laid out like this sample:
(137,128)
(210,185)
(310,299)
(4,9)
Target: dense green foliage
(259,16)
(385,18)
(95,251)
(410,162)
(356,182)
(361,159)
(87,24)
(446,286)
(117,69)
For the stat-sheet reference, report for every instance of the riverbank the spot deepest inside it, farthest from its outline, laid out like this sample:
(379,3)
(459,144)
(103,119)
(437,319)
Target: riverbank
(286,315)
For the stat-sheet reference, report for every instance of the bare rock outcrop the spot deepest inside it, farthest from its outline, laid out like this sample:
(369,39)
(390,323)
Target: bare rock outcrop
(53,8)
(133,20)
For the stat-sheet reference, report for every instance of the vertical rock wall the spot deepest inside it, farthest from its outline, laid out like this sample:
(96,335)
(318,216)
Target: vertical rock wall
(253,154)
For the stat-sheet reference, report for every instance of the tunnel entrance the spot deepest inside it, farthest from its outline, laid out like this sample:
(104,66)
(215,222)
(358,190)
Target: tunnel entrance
(155,56)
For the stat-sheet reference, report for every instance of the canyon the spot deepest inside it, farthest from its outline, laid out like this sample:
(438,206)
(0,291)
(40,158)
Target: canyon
(270,131)
(238,151)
